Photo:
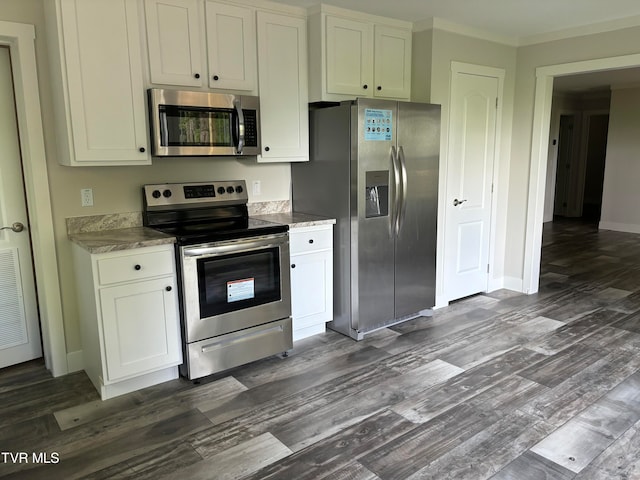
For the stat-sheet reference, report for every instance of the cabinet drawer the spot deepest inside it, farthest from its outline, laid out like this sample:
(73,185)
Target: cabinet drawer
(137,266)
(302,241)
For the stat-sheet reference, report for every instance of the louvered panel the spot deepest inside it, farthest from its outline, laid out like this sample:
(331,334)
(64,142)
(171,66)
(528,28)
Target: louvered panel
(13,329)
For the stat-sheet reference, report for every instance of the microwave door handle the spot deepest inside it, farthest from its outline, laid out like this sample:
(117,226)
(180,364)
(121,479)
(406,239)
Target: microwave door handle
(239,125)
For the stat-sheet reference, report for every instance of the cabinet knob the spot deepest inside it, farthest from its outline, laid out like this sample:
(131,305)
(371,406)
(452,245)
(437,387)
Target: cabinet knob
(293,265)
(311,240)
(365,86)
(216,78)
(379,88)
(142,149)
(266,149)
(197,75)
(168,289)
(138,267)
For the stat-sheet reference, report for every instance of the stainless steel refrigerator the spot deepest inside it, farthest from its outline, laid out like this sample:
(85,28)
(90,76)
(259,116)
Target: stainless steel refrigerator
(374,167)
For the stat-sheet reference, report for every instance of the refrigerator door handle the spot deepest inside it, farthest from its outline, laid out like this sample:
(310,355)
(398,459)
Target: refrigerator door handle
(395,168)
(402,207)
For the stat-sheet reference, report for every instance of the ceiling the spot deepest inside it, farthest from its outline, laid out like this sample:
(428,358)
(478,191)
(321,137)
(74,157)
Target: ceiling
(516,19)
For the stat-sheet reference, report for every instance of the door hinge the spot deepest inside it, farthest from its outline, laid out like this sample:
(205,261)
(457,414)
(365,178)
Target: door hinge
(496,102)
(492,188)
(487,268)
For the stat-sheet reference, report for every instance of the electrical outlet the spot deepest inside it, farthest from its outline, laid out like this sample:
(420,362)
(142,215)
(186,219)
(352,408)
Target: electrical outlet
(256,188)
(86,195)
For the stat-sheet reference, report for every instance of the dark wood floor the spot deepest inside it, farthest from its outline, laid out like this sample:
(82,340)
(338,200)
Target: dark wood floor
(499,386)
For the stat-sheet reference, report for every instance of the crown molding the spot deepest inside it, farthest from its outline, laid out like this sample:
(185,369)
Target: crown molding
(601,27)
(445,25)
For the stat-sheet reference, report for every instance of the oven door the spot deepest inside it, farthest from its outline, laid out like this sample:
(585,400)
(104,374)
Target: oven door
(234,284)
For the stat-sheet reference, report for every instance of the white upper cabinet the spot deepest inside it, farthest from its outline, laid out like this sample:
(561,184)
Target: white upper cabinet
(349,51)
(95,58)
(357,55)
(174,42)
(231,46)
(183,36)
(282,70)
(392,62)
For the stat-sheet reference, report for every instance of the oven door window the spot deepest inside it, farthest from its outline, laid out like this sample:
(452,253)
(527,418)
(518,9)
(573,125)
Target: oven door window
(195,126)
(242,280)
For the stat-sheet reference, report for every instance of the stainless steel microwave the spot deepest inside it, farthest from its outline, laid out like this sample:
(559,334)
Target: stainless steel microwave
(190,123)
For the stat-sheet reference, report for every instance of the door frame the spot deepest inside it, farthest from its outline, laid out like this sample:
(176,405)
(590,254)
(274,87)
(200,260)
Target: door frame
(539,150)
(20,38)
(442,299)
(587,115)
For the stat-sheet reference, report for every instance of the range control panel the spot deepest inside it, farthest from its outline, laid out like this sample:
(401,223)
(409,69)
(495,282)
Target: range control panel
(225,192)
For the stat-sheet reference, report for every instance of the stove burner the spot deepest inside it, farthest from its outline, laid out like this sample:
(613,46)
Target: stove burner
(203,212)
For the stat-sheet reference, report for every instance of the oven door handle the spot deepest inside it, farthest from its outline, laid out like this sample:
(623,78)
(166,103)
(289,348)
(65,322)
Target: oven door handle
(226,248)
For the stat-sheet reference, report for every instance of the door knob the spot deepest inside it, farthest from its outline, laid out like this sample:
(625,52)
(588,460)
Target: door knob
(16,227)
(457,202)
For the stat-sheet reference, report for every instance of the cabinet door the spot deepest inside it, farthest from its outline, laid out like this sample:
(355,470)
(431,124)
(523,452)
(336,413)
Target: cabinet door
(174,42)
(105,90)
(231,46)
(140,327)
(311,289)
(392,62)
(349,57)
(282,70)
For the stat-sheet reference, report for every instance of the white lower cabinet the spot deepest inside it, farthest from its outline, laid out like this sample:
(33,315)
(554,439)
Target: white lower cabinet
(311,279)
(128,307)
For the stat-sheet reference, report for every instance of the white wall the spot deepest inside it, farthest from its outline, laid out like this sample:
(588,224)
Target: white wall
(621,192)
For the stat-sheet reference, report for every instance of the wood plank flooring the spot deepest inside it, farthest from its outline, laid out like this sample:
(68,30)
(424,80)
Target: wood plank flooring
(496,386)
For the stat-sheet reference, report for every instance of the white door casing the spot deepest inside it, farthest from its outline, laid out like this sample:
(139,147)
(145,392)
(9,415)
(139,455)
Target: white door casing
(19,323)
(20,40)
(539,149)
(472,151)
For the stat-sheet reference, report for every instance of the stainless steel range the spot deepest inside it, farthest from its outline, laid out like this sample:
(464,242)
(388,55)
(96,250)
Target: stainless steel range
(233,274)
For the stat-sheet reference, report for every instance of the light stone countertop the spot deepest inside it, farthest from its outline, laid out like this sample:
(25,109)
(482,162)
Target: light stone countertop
(103,241)
(109,233)
(295,219)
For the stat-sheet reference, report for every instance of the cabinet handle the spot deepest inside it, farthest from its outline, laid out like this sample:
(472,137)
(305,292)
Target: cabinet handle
(365,86)
(168,289)
(266,149)
(138,267)
(293,265)
(311,240)
(216,78)
(197,75)
(379,88)
(142,149)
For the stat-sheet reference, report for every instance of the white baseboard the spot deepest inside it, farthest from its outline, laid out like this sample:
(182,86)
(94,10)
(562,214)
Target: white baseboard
(495,284)
(513,283)
(619,227)
(75,361)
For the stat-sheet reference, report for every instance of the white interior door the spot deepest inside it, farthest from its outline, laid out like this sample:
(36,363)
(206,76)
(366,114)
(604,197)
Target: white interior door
(19,322)
(472,147)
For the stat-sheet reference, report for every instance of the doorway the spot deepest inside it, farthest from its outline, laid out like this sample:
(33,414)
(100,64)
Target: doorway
(474,126)
(597,128)
(581,155)
(19,38)
(539,149)
(566,166)
(19,323)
